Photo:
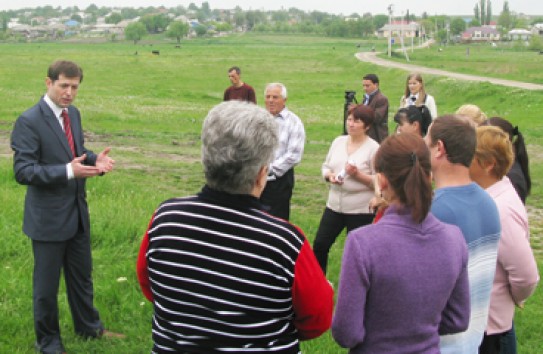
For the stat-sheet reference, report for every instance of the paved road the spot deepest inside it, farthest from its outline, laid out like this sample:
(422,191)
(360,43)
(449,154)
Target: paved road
(371,57)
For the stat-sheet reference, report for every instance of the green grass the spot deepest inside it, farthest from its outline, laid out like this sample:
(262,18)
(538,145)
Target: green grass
(149,109)
(507,60)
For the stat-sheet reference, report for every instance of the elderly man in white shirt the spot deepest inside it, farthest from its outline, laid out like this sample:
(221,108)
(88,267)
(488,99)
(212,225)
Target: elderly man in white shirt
(278,191)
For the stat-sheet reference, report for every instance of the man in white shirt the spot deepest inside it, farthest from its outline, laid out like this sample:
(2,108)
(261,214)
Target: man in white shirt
(278,191)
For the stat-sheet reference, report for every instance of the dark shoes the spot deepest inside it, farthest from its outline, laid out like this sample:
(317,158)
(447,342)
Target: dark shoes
(104,334)
(40,350)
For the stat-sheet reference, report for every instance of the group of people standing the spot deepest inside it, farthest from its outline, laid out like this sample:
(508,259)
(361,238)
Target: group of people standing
(364,167)
(440,270)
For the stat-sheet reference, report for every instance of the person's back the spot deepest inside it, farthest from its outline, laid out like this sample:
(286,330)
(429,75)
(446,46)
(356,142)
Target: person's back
(461,202)
(224,275)
(232,288)
(404,279)
(410,276)
(473,210)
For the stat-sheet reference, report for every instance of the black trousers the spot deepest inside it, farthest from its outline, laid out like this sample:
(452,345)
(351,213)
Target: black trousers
(277,194)
(331,225)
(491,344)
(73,256)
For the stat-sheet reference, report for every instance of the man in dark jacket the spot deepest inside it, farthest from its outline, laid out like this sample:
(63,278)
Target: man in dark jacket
(50,158)
(379,102)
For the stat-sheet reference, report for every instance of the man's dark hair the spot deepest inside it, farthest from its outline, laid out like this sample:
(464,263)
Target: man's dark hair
(458,135)
(66,68)
(236,69)
(372,77)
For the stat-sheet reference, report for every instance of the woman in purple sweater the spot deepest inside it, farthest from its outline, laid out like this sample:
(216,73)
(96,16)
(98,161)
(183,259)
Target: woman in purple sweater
(404,279)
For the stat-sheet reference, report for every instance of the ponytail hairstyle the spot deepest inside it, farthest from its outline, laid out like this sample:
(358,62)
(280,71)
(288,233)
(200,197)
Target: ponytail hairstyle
(519,147)
(412,114)
(404,159)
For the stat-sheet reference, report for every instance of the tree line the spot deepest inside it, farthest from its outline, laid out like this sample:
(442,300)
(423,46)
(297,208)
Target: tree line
(153,20)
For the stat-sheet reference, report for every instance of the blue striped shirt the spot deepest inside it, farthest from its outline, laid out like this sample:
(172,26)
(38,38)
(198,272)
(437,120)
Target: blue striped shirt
(471,209)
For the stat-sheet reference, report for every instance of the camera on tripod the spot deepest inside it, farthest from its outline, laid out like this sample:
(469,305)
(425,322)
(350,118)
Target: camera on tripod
(350,97)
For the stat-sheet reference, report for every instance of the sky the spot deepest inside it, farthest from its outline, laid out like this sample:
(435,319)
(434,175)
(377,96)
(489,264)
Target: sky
(345,7)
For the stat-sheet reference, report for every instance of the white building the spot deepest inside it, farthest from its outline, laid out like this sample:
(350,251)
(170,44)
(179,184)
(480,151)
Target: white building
(399,29)
(519,34)
(538,29)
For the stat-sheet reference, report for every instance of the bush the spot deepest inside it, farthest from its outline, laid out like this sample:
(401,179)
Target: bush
(536,43)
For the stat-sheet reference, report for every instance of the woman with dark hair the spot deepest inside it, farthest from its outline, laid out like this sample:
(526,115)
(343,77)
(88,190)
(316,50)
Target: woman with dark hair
(413,120)
(519,174)
(404,279)
(349,170)
(516,269)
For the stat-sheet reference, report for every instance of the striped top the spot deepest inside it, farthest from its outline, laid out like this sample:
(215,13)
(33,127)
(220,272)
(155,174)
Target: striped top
(226,277)
(471,209)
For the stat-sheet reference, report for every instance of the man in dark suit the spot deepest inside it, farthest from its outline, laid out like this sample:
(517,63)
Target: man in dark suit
(376,100)
(51,159)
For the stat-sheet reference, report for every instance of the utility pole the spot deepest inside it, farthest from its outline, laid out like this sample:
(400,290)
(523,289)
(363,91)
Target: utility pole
(404,50)
(448,28)
(390,30)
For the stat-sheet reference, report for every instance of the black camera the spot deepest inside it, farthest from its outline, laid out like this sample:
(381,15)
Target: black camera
(350,97)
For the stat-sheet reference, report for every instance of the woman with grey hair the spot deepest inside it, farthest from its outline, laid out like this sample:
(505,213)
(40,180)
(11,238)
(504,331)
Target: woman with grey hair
(238,142)
(223,274)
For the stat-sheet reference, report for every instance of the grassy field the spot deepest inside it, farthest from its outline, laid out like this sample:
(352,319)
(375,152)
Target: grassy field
(149,109)
(507,60)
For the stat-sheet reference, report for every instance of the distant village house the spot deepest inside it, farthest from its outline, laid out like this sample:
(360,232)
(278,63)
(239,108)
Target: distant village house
(481,34)
(399,29)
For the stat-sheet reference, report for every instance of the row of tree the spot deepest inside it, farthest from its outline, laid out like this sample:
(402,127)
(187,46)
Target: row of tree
(154,20)
(506,20)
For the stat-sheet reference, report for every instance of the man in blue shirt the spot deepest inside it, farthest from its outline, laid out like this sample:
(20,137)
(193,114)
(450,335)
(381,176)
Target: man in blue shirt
(459,201)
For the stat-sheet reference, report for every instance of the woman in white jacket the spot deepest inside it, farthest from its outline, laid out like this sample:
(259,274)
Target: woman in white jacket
(348,168)
(415,95)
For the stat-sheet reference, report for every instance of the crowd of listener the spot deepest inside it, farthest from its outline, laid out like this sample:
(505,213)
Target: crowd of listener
(436,270)
(439,270)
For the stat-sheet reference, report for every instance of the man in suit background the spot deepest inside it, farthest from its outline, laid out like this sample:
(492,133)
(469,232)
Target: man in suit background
(376,100)
(51,159)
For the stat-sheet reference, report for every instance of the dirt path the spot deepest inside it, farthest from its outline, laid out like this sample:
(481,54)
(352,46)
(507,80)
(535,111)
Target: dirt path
(371,57)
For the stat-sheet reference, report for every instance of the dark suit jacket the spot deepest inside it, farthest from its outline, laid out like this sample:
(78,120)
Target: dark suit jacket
(379,130)
(54,205)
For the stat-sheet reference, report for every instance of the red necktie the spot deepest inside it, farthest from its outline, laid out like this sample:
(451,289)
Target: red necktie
(68,131)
